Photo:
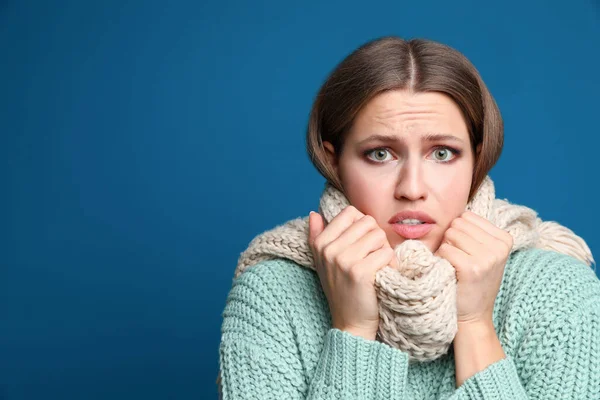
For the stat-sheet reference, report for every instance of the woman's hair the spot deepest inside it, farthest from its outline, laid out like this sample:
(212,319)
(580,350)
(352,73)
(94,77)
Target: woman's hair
(418,65)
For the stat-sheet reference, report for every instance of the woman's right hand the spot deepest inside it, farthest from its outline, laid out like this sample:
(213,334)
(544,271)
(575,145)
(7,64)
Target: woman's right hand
(348,252)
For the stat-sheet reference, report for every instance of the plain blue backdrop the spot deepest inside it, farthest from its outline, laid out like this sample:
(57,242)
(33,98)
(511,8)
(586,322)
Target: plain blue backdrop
(144,144)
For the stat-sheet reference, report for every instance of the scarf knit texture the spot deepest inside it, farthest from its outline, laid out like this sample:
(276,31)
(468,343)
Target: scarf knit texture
(417,301)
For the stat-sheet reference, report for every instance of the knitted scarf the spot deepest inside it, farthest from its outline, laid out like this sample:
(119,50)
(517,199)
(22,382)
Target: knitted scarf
(417,301)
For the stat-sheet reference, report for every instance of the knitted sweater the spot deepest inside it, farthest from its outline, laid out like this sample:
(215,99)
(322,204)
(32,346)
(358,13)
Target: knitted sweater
(277,341)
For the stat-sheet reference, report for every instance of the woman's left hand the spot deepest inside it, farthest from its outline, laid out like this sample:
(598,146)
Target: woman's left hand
(478,250)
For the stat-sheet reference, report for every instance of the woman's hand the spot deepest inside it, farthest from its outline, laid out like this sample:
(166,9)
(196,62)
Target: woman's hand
(478,250)
(348,252)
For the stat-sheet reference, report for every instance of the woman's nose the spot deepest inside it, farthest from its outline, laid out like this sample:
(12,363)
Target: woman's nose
(411,184)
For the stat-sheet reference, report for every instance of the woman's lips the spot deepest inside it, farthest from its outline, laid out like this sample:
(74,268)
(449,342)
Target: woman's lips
(412,231)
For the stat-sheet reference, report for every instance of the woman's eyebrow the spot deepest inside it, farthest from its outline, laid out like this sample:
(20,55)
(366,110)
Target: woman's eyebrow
(429,137)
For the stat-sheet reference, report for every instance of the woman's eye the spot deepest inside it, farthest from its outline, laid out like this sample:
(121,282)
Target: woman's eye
(441,154)
(379,154)
(444,153)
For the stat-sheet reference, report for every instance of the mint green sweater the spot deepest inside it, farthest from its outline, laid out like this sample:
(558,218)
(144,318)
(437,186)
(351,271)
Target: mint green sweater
(277,341)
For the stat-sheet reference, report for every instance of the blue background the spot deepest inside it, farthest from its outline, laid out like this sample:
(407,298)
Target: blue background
(144,144)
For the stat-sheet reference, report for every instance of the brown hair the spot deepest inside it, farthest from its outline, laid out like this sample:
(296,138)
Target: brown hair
(419,65)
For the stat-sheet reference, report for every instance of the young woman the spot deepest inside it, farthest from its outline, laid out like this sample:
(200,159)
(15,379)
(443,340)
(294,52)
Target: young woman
(408,132)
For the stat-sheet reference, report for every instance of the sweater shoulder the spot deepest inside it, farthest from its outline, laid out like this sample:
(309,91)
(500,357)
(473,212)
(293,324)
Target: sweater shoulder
(280,276)
(546,285)
(547,272)
(282,289)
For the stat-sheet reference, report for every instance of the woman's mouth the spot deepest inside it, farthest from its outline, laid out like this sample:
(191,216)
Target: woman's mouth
(412,231)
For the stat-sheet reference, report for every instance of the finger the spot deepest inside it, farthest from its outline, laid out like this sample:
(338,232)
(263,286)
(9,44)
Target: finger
(455,256)
(339,224)
(487,226)
(489,242)
(354,233)
(316,225)
(471,229)
(356,252)
(463,241)
(369,243)
(375,261)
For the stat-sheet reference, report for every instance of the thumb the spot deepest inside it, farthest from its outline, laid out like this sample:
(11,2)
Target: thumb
(315,226)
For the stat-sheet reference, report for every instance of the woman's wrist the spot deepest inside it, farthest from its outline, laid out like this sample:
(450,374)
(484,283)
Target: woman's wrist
(476,346)
(364,333)
(482,325)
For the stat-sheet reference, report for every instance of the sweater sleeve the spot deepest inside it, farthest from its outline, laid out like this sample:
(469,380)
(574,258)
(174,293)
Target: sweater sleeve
(260,359)
(358,368)
(564,364)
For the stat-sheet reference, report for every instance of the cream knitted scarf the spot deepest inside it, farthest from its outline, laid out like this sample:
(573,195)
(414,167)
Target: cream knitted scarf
(417,301)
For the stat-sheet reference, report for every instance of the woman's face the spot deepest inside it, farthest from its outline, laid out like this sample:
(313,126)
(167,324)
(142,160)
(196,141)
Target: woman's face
(407,171)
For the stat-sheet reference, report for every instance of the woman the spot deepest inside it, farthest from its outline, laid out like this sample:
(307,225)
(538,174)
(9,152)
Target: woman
(407,132)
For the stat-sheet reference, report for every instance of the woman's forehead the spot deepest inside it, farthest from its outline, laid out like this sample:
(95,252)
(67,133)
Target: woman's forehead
(399,116)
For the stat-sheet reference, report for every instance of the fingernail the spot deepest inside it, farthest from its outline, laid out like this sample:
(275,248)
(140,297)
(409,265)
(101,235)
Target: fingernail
(311,213)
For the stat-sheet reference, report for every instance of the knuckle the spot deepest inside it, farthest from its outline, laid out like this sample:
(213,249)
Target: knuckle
(476,270)
(349,213)
(369,218)
(349,210)
(345,213)
(380,235)
(318,243)
(340,260)
(328,254)
(355,274)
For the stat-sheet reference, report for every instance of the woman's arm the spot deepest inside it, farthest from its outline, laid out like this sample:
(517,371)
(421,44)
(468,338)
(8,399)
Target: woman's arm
(561,361)
(476,346)
(260,356)
(358,368)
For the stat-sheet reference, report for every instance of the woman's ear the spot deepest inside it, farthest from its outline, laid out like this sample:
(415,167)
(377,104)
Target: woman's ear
(331,156)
